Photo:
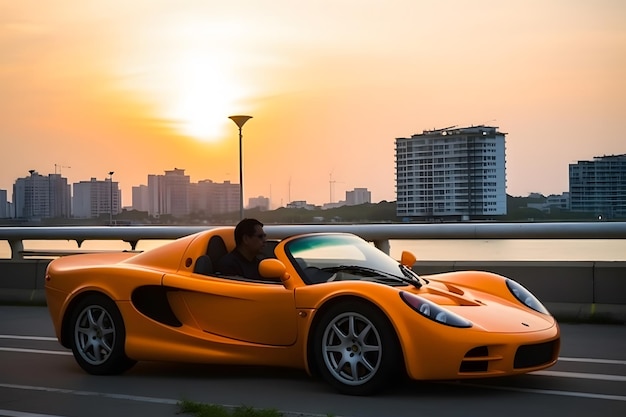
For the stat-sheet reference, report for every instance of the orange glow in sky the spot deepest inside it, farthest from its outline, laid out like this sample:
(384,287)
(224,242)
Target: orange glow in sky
(146,86)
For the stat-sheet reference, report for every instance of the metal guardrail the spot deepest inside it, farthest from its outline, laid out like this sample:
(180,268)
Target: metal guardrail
(379,234)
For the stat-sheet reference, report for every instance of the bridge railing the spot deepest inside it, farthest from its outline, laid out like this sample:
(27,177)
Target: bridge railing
(379,234)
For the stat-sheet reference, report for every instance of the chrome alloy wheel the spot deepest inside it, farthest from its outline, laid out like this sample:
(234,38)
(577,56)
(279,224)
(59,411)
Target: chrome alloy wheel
(352,348)
(94,334)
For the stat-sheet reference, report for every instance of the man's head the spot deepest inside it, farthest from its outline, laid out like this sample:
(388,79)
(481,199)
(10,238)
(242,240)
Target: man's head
(249,235)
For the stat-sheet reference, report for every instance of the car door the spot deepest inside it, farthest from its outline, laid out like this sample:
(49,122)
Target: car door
(245,311)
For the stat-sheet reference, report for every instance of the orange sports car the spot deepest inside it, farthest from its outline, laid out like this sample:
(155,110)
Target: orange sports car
(330,303)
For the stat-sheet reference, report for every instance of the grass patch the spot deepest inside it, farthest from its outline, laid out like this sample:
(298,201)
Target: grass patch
(213,410)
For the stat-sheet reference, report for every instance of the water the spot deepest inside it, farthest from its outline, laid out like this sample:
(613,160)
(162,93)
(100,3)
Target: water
(513,249)
(425,250)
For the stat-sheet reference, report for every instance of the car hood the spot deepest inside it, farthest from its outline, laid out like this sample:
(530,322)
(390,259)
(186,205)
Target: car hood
(486,311)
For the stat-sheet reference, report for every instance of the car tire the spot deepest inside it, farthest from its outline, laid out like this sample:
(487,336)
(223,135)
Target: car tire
(98,336)
(356,349)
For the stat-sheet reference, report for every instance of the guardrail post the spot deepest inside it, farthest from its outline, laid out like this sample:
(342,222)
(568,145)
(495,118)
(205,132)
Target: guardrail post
(383,245)
(17,246)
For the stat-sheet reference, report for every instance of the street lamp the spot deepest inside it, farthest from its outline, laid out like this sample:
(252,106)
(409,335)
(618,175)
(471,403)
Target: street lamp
(111,198)
(240,121)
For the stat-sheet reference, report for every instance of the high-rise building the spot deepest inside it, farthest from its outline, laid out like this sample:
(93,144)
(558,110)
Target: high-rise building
(169,194)
(4,205)
(358,196)
(210,197)
(141,200)
(224,198)
(176,187)
(599,186)
(95,198)
(260,202)
(39,196)
(451,173)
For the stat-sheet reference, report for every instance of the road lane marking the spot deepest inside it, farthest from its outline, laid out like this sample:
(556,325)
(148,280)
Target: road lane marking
(554,392)
(581,375)
(11,413)
(90,393)
(45,352)
(16,337)
(590,360)
(558,374)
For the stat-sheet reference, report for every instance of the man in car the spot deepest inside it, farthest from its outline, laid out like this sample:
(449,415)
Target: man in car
(245,258)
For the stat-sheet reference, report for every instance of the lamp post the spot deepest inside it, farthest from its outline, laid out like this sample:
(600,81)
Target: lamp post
(111,197)
(240,121)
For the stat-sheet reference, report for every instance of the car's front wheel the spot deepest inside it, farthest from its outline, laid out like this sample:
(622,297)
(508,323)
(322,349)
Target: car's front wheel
(98,336)
(356,349)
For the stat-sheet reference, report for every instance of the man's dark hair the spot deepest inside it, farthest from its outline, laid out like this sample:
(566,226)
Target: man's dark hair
(246,227)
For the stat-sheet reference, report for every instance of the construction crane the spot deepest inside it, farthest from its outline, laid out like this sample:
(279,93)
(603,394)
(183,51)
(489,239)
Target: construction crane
(331,183)
(60,167)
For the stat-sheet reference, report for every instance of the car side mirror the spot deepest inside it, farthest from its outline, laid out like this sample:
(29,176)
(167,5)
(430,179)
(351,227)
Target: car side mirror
(275,269)
(407,259)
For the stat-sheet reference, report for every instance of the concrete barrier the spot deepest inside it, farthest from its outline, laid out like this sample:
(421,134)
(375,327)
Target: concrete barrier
(551,281)
(580,291)
(22,282)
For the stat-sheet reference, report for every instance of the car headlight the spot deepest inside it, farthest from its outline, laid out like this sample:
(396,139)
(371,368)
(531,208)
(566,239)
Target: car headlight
(433,311)
(525,297)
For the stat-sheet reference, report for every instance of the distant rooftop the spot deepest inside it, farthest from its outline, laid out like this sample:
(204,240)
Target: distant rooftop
(598,158)
(455,130)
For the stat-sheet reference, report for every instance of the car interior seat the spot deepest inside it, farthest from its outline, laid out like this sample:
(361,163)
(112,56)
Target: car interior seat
(207,263)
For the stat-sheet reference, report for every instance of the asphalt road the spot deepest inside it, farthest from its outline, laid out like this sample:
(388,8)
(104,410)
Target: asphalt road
(39,378)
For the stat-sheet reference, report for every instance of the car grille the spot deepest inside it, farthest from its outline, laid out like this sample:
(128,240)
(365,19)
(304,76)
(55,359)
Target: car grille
(528,356)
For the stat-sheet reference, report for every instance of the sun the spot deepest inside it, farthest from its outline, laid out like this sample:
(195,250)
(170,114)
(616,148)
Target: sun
(204,96)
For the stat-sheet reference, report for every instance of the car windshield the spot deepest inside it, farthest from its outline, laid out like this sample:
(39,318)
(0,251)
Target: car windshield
(333,257)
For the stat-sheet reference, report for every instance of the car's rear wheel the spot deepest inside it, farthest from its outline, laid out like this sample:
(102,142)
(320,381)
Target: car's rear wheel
(356,349)
(98,336)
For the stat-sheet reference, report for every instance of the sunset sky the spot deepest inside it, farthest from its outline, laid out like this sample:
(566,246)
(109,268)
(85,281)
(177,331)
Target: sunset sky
(143,86)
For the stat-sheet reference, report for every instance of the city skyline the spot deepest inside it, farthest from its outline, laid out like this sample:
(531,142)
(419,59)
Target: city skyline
(451,173)
(273,204)
(331,193)
(50,196)
(142,87)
